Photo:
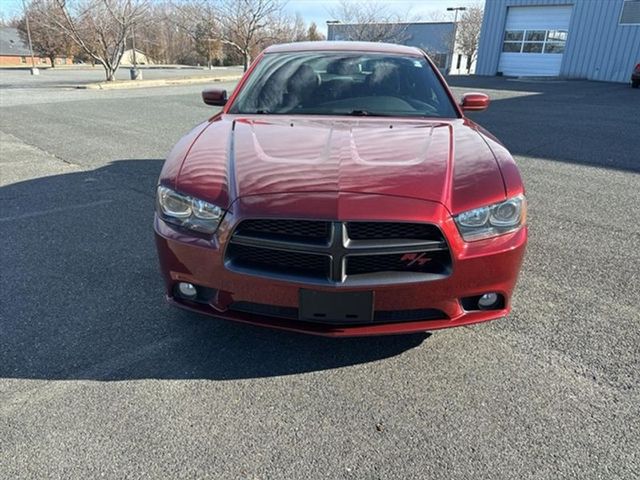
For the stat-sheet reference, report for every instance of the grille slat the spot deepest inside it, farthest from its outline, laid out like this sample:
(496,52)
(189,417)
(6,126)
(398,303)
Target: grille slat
(293,230)
(430,263)
(278,261)
(393,231)
(313,251)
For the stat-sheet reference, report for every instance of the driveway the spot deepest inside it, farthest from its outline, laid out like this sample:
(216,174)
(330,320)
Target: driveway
(99,377)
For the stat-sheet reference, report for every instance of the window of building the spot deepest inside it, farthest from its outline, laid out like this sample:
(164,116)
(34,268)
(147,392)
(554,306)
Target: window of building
(458,62)
(532,47)
(554,48)
(630,14)
(513,41)
(23,59)
(556,36)
(513,35)
(513,47)
(535,35)
(534,41)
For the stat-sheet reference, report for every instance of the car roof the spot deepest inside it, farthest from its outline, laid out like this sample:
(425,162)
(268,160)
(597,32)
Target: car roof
(345,47)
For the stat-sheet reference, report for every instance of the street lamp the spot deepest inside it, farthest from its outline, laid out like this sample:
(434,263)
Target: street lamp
(455,32)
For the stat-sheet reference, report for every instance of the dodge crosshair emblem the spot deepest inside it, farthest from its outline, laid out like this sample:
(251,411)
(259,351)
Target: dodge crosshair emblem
(413,258)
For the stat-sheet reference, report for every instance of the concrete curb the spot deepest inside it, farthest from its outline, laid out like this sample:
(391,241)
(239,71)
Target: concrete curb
(155,83)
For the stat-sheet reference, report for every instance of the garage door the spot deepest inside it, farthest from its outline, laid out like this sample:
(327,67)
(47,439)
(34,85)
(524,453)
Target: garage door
(534,41)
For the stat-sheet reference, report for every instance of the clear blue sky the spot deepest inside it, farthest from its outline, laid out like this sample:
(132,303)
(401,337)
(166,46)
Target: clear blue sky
(318,11)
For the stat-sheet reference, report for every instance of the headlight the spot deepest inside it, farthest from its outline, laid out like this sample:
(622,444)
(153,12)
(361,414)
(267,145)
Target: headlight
(188,212)
(493,220)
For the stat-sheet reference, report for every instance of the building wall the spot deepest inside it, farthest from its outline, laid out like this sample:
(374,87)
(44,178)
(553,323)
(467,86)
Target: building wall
(22,60)
(598,47)
(25,61)
(141,58)
(459,65)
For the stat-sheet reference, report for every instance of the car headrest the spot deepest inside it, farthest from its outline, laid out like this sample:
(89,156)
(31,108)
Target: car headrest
(342,67)
(303,78)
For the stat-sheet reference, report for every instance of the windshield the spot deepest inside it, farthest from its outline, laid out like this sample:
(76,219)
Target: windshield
(344,83)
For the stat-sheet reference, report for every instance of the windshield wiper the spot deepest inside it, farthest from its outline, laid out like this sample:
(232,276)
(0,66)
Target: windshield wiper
(366,113)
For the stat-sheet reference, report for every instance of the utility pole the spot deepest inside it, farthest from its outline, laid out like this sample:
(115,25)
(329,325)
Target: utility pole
(455,32)
(34,70)
(134,73)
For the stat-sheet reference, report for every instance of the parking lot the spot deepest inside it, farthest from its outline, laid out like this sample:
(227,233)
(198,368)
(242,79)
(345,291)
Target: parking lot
(99,377)
(79,76)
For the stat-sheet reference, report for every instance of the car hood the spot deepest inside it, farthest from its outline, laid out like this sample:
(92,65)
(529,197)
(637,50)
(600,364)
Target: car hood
(447,162)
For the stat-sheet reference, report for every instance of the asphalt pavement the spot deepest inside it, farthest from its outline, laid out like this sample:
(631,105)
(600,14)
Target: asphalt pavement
(70,76)
(99,377)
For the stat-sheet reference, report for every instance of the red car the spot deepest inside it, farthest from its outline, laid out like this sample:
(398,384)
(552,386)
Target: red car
(635,77)
(341,191)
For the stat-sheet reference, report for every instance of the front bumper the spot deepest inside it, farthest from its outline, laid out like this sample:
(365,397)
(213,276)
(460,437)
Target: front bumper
(490,265)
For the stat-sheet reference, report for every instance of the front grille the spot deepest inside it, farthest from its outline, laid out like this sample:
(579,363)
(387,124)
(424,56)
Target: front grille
(278,261)
(437,263)
(331,252)
(392,231)
(299,230)
(381,316)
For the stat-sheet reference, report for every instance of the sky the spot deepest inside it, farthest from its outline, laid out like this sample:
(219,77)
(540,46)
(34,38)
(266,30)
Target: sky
(319,11)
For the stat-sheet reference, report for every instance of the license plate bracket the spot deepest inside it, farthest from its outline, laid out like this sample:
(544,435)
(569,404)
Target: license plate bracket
(335,307)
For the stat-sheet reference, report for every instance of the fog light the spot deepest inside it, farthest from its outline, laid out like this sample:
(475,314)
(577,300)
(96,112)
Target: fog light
(187,290)
(488,300)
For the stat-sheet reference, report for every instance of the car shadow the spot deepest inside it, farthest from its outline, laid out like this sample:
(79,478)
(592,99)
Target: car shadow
(82,296)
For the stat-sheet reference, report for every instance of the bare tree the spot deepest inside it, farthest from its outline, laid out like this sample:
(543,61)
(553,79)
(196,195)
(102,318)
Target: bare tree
(468,34)
(373,21)
(9,21)
(246,24)
(47,41)
(200,20)
(298,29)
(282,28)
(159,38)
(438,16)
(313,35)
(100,27)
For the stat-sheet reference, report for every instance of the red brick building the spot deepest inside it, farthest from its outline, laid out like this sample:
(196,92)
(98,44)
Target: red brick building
(15,53)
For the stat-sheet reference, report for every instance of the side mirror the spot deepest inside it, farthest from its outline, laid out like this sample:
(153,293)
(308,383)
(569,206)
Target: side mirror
(214,96)
(474,102)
